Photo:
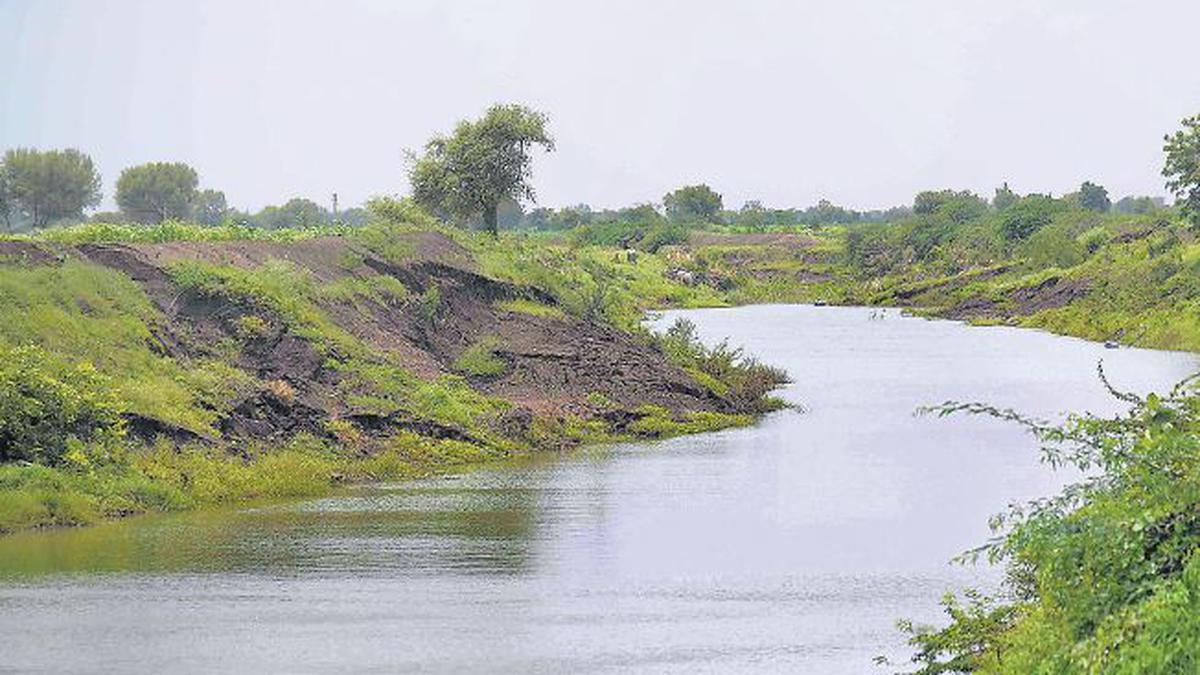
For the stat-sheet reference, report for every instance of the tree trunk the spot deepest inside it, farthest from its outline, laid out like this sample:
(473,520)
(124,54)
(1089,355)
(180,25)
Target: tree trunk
(489,219)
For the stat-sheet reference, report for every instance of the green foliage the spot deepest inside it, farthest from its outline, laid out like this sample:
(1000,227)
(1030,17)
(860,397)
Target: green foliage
(1094,197)
(482,163)
(1052,246)
(1004,198)
(158,191)
(8,207)
(588,282)
(968,643)
(86,313)
(48,186)
(295,213)
(530,307)
(481,359)
(209,207)
(958,207)
(1094,239)
(49,410)
(400,212)
(728,372)
(1104,575)
(1182,168)
(251,327)
(380,289)
(658,422)
(1028,215)
(171,230)
(429,303)
(693,203)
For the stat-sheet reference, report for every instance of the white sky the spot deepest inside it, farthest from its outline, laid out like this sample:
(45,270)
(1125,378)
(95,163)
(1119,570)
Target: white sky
(863,102)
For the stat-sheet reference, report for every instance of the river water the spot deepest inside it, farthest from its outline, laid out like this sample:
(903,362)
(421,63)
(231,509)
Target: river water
(791,546)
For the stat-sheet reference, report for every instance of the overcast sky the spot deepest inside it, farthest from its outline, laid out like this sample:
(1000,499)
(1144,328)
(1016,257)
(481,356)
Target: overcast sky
(863,102)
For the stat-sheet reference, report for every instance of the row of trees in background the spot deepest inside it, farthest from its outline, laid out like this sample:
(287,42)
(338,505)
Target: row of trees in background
(482,173)
(39,188)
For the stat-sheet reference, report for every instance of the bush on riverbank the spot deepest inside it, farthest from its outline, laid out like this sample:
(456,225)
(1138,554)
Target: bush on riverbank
(51,411)
(724,370)
(1104,577)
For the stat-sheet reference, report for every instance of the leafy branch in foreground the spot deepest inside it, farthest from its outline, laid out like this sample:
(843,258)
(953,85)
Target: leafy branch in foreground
(1101,577)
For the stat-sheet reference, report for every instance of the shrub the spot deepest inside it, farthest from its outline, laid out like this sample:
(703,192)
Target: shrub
(530,307)
(250,327)
(1094,239)
(1029,215)
(726,371)
(48,408)
(1103,577)
(480,359)
(429,303)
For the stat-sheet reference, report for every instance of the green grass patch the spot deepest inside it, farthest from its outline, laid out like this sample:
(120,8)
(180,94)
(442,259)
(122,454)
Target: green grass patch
(481,360)
(658,422)
(531,307)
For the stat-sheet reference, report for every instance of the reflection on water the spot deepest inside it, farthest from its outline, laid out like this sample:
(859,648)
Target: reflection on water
(791,546)
(424,527)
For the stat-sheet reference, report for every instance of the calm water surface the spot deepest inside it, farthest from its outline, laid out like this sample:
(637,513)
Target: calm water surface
(791,546)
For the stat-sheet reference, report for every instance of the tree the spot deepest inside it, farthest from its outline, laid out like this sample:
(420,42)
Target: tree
(1135,205)
(7,208)
(928,201)
(49,186)
(210,207)
(297,212)
(753,215)
(1030,214)
(158,191)
(483,162)
(1094,197)
(571,216)
(1004,197)
(957,206)
(1182,168)
(693,203)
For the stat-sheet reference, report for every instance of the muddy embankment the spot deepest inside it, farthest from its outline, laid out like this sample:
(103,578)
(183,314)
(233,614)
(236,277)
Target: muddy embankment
(555,365)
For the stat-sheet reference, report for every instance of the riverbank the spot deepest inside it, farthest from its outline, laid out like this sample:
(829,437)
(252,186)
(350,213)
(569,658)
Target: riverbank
(162,369)
(245,363)
(1132,280)
(792,545)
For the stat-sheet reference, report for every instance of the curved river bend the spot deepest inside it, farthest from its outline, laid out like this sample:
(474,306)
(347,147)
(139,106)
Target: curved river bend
(792,546)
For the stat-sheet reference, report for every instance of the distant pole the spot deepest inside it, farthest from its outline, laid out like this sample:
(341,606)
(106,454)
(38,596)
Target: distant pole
(335,205)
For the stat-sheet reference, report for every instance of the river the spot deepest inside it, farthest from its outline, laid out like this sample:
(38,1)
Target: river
(791,546)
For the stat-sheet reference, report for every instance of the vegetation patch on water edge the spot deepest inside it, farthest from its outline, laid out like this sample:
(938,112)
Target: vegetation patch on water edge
(164,477)
(1104,576)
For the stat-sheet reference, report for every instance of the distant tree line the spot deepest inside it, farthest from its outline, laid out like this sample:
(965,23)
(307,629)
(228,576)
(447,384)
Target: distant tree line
(40,188)
(481,176)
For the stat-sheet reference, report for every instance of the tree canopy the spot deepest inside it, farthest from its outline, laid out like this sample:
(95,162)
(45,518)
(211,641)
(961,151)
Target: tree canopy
(158,191)
(484,161)
(1004,197)
(1030,214)
(1182,168)
(48,186)
(296,212)
(959,206)
(210,207)
(693,203)
(1094,197)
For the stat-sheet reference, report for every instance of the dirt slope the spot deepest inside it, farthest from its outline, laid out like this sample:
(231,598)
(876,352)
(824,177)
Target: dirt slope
(555,364)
